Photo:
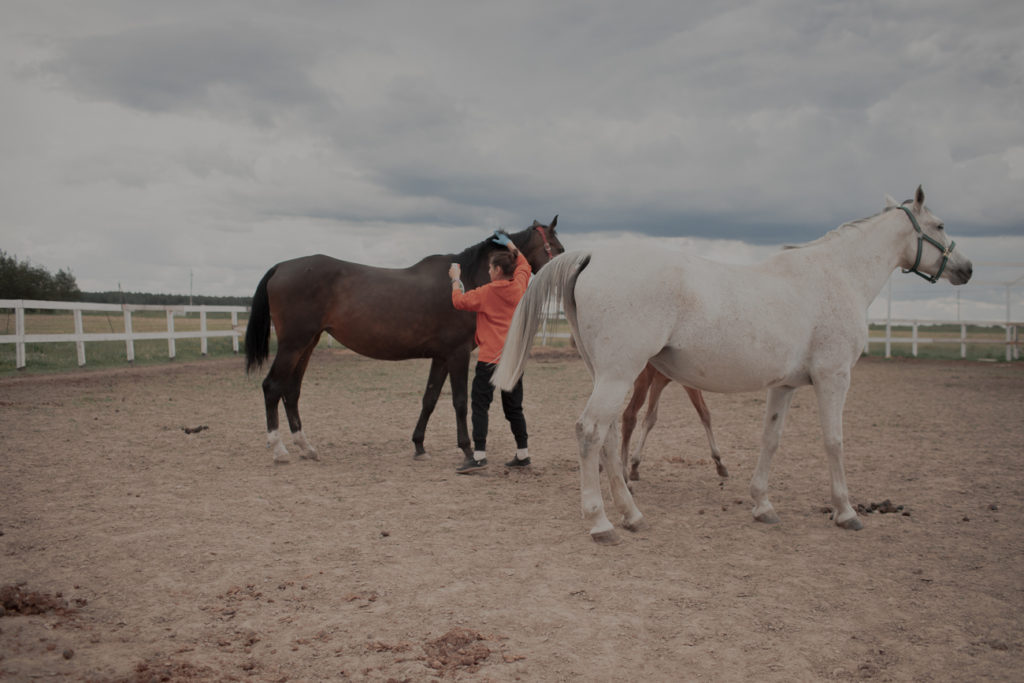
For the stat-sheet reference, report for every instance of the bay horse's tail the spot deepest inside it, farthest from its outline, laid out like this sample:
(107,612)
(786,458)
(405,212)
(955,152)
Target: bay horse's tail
(557,277)
(257,332)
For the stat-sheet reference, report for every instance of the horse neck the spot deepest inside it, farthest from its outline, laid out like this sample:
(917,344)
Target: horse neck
(865,253)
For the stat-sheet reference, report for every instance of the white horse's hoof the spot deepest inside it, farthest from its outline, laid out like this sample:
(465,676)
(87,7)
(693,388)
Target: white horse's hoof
(852,524)
(610,537)
(768,517)
(281,461)
(639,525)
(310,456)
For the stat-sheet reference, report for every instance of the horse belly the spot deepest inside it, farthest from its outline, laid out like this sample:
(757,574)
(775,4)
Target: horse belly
(724,373)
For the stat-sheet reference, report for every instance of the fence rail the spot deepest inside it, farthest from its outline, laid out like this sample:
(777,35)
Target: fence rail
(1012,339)
(20,338)
(79,337)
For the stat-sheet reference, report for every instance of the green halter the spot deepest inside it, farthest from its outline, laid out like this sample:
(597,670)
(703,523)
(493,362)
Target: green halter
(921,239)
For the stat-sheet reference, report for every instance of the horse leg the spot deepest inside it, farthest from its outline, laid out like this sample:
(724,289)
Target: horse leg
(622,497)
(778,402)
(831,390)
(291,403)
(657,384)
(281,383)
(630,413)
(458,379)
(592,430)
(271,397)
(435,382)
(697,399)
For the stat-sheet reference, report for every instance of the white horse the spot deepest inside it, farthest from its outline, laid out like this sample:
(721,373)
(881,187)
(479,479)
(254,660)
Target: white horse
(796,319)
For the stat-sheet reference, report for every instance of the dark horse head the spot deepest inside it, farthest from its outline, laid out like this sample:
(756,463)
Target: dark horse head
(537,243)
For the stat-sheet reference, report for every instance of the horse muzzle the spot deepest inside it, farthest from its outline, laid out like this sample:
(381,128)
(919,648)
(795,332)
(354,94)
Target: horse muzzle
(960,273)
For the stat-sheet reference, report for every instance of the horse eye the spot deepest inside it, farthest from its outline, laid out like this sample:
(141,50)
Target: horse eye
(941,226)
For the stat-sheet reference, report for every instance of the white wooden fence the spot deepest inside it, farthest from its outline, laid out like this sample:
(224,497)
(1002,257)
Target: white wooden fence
(20,338)
(1012,341)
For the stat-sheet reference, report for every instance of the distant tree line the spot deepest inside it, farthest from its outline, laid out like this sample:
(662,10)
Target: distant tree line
(23,280)
(143,298)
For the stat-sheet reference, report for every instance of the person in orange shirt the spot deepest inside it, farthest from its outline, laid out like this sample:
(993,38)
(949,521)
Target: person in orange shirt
(494,304)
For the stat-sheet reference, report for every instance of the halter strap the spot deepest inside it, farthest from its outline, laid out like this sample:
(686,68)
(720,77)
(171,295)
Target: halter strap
(544,236)
(921,239)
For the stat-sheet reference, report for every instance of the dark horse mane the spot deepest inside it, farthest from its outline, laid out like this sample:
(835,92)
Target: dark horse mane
(473,257)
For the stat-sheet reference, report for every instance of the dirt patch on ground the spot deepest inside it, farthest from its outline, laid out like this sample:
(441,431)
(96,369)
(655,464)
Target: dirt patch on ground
(144,518)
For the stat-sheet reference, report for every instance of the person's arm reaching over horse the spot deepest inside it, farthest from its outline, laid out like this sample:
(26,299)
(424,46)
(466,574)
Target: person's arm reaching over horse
(461,299)
(521,276)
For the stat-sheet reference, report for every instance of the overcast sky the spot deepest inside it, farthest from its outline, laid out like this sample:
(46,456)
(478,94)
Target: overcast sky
(144,143)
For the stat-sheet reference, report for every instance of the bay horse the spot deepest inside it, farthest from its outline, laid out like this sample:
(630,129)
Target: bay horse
(382,313)
(648,387)
(796,319)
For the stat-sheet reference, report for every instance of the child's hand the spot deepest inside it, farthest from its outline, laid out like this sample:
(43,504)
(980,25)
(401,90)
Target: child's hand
(454,271)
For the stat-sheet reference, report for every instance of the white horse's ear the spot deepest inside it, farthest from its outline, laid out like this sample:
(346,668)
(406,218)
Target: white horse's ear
(918,199)
(890,203)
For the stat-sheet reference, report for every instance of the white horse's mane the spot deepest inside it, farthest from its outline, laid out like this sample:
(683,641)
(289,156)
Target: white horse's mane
(845,227)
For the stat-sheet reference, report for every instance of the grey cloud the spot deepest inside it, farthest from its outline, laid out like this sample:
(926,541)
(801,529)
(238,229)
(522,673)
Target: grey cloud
(184,66)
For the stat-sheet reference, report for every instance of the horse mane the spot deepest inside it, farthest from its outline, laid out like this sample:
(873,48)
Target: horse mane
(471,257)
(842,229)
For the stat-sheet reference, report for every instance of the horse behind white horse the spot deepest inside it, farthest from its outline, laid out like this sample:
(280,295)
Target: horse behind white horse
(796,319)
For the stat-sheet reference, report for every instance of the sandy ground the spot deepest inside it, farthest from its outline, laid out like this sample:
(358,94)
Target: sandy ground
(132,550)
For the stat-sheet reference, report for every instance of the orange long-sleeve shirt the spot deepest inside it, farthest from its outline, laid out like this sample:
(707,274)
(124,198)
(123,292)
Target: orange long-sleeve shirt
(494,304)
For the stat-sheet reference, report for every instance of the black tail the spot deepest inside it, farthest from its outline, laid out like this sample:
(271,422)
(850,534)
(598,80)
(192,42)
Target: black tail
(257,332)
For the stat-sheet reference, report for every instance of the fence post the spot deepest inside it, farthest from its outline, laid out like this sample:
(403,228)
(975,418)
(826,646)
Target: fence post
(79,340)
(963,340)
(170,334)
(234,326)
(888,320)
(19,331)
(129,342)
(202,331)
(913,337)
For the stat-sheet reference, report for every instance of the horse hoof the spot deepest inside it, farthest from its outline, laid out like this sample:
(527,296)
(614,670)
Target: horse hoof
(722,471)
(309,456)
(852,524)
(420,457)
(281,461)
(634,475)
(768,517)
(639,525)
(609,537)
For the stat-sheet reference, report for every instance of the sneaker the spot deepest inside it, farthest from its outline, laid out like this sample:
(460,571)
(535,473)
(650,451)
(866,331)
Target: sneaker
(470,465)
(516,462)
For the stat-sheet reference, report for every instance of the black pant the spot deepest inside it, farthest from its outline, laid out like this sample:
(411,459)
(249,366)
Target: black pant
(511,402)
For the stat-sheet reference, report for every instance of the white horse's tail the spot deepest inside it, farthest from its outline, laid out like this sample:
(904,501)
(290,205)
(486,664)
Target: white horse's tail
(559,277)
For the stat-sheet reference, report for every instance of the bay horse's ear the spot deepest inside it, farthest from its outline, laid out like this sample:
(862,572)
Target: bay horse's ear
(890,203)
(554,222)
(918,199)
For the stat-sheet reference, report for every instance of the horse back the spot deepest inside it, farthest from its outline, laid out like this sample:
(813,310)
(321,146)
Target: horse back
(384,313)
(713,326)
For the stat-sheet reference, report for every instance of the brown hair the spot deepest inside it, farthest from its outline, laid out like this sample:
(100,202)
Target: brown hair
(505,261)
